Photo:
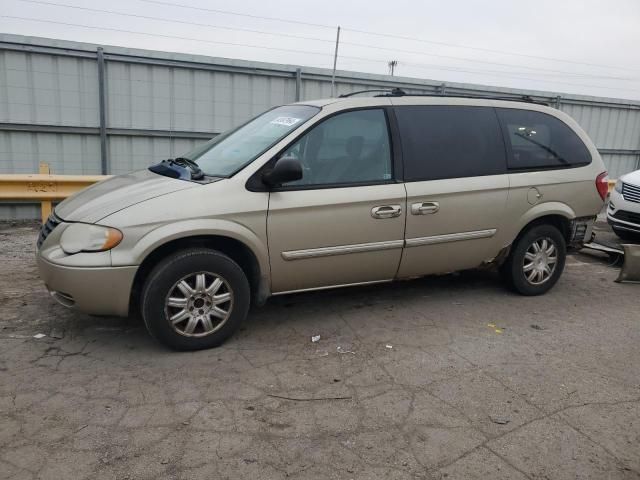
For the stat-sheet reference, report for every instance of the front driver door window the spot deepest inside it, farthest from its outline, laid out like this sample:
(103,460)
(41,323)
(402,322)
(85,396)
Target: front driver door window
(348,148)
(323,229)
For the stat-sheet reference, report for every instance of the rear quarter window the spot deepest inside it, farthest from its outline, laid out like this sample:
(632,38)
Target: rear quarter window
(536,140)
(449,141)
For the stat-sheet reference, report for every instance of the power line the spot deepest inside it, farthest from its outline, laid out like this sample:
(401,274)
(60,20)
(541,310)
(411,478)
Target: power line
(353,58)
(482,49)
(515,75)
(217,42)
(606,77)
(112,12)
(227,12)
(147,17)
(388,35)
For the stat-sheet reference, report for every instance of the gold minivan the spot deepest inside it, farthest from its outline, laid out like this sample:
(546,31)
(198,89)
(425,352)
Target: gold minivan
(325,194)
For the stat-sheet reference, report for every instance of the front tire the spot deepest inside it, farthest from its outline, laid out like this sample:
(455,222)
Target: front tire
(195,299)
(536,260)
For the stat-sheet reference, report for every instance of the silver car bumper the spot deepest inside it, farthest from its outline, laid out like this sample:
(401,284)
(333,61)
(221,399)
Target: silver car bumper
(94,290)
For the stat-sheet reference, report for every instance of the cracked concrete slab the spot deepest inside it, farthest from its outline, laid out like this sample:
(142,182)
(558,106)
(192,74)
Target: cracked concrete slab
(550,448)
(480,464)
(554,394)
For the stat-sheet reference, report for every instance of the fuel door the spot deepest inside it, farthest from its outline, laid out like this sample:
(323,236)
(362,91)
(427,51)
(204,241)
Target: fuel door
(534,196)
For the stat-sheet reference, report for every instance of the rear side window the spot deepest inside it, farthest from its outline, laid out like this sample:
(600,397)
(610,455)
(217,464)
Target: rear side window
(539,141)
(450,142)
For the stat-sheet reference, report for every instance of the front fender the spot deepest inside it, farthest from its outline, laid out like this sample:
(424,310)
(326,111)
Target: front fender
(190,228)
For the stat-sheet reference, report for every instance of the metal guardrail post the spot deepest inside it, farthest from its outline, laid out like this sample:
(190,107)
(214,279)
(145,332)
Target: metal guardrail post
(46,206)
(104,161)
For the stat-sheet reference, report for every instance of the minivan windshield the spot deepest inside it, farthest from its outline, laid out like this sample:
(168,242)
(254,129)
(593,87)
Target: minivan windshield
(224,155)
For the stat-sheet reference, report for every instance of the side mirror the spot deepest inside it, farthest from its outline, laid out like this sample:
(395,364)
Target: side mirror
(285,170)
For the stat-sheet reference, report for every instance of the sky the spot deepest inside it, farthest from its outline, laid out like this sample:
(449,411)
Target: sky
(587,47)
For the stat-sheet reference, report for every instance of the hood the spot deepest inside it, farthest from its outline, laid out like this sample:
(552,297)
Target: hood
(633,178)
(116,193)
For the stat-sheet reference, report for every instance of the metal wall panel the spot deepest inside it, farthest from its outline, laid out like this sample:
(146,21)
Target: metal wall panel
(168,98)
(618,164)
(48,89)
(46,83)
(19,211)
(608,127)
(135,153)
(21,152)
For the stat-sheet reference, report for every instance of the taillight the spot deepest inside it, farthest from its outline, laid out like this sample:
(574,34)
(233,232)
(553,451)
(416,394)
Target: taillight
(602,185)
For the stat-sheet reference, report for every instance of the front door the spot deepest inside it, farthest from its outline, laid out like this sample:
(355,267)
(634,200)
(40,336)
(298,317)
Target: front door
(343,222)
(457,187)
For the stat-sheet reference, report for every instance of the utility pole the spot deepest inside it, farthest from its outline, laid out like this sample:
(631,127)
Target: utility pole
(392,66)
(335,60)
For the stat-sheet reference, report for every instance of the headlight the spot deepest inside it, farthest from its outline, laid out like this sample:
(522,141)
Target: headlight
(82,237)
(618,186)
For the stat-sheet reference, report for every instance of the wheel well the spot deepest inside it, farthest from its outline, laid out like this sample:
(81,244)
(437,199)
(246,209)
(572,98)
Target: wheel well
(234,249)
(561,223)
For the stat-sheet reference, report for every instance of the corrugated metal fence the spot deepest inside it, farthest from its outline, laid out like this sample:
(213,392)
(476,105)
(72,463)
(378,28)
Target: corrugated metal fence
(88,110)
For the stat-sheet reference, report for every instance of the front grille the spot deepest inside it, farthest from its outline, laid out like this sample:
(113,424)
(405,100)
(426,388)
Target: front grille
(47,227)
(625,216)
(631,193)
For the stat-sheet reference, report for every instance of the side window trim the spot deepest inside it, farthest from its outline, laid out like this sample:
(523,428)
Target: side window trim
(506,141)
(397,162)
(254,184)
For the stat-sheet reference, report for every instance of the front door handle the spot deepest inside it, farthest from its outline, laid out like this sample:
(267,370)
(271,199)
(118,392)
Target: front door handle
(425,208)
(386,211)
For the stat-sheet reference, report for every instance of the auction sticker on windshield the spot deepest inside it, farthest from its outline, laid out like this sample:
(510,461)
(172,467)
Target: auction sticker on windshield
(286,121)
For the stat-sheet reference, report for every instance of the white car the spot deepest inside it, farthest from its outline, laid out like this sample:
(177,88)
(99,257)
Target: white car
(623,213)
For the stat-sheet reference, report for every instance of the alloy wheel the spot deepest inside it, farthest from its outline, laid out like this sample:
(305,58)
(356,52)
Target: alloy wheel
(540,261)
(199,304)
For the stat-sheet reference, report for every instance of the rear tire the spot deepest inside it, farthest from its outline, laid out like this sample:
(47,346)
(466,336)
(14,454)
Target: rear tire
(536,260)
(195,299)
(626,235)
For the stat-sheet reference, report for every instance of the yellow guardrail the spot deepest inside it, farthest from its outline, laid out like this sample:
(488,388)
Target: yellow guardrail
(44,187)
(47,188)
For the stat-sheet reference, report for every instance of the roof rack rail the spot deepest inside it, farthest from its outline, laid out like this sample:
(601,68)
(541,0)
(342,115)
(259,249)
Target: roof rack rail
(394,91)
(398,92)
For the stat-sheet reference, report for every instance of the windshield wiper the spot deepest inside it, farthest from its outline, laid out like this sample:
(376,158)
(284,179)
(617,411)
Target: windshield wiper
(196,171)
(544,147)
(182,168)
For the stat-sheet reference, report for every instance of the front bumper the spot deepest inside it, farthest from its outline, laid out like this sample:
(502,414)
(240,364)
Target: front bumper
(617,204)
(93,290)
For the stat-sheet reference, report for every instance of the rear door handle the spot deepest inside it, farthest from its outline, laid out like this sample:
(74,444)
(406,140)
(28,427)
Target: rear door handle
(386,211)
(425,208)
